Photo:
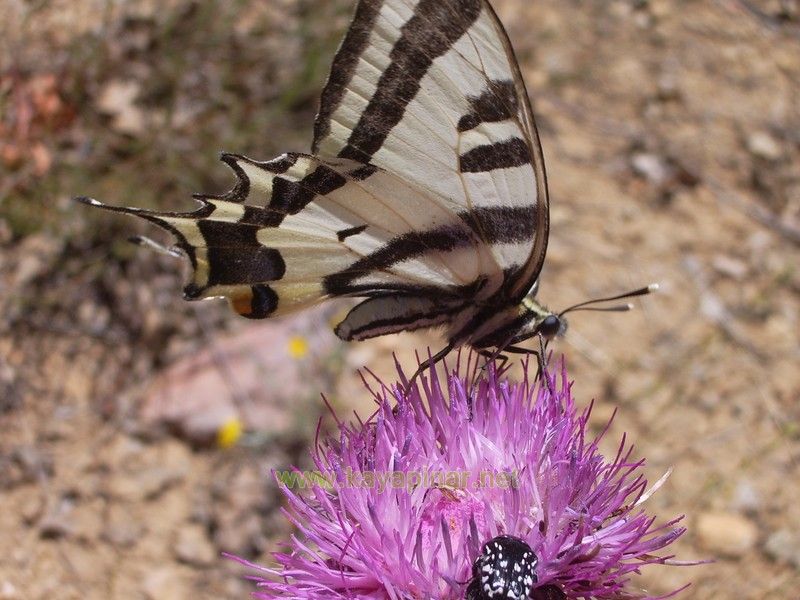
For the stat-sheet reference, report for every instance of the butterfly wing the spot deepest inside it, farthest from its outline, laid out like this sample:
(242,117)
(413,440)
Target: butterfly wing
(431,91)
(299,229)
(425,193)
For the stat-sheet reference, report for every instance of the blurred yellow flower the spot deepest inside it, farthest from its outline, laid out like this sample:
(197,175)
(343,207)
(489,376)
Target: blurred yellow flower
(229,433)
(298,347)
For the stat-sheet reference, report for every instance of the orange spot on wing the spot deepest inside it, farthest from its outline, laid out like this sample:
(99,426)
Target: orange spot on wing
(243,303)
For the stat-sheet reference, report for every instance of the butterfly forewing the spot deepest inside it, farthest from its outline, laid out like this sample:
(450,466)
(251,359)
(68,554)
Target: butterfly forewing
(431,91)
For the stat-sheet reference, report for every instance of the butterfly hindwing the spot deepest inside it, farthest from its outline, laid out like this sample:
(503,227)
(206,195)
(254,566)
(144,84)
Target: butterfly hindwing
(299,229)
(395,313)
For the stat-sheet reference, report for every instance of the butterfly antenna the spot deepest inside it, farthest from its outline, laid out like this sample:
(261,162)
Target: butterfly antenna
(653,287)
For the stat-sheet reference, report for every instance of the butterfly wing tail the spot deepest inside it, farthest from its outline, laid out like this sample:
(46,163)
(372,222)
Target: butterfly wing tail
(234,242)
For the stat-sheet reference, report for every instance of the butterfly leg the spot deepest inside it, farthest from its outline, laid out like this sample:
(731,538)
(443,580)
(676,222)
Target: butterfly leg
(491,356)
(528,352)
(540,354)
(426,365)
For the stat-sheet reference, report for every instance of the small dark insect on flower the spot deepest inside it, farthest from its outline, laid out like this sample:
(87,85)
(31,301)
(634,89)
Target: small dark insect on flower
(505,569)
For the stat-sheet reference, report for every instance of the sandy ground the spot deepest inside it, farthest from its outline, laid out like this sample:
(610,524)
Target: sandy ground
(672,137)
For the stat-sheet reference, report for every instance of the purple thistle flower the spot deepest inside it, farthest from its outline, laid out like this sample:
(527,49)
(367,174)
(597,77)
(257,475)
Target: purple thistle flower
(402,506)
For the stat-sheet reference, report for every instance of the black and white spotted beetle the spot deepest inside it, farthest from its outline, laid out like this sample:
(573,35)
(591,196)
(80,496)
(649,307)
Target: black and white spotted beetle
(505,569)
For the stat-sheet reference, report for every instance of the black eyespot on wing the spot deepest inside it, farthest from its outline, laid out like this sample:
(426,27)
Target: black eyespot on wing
(263,303)
(254,302)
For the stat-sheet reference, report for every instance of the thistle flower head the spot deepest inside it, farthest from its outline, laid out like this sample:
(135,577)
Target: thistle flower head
(443,493)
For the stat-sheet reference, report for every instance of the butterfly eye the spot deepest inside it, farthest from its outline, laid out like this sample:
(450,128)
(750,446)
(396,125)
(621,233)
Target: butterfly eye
(550,327)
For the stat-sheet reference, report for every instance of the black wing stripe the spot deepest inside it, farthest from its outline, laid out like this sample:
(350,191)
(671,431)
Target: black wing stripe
(241,191)
(401,248)
(346,233)
(503,224)
(429,34)
(391,314)
(397,324)
(235,256)
(344,66)
(500,155)
(290,197)
(494,225)
(497,103)
(255,215)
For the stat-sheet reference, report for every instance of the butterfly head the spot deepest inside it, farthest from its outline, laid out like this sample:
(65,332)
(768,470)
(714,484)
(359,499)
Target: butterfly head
(538,320)
(541,320)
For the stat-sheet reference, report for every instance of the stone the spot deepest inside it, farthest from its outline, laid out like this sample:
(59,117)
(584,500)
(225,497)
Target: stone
(118,99)
(746,498)
(8,591)
(783,546)
(194,548)
(763,145)
(730,267)
(726,533)
(55,526)
(652,167)
(165,582)
(120,529)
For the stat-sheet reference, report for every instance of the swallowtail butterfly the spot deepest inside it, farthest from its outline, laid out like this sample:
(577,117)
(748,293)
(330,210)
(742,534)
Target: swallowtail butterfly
(424,194)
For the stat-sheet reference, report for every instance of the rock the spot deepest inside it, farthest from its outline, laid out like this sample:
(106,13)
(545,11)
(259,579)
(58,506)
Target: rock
(195,397)
(730,267)
(194,548)
(239,535)
(88,521)
(726,533)
(763,145)
(147,484)
(55,526)
(8,591)
(32,463)
(783,546)
(121,529)
(33,505)
(155,481)
(661,8)
(165,582)
(151,470)
(668,88)
(118,99)
(652,167)
(746,498)
(240,498)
